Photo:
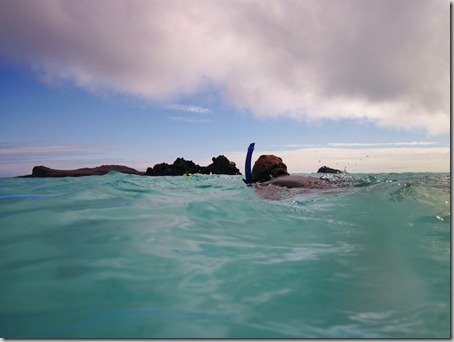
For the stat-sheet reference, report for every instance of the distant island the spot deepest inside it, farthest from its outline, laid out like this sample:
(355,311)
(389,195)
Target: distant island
(220,165)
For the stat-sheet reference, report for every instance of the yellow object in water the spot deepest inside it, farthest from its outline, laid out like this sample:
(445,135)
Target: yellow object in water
(187,174)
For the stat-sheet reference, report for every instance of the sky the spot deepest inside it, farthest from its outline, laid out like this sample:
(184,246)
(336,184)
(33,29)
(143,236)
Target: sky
(358,85)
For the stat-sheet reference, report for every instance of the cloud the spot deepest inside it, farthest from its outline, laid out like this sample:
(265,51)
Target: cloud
(19,158)
(26,152)
(6,149)
(189,120)
(407,143)
(191,109)
(385,62)
(363,145)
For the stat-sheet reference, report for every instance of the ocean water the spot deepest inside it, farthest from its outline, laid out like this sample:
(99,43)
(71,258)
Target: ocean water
(208,257)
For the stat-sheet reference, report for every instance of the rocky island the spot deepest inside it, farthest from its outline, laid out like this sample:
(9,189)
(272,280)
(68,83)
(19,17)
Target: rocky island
(219,165)
(267,167)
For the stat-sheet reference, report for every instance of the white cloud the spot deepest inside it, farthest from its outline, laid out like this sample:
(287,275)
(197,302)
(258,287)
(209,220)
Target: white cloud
(290,145)
(384,61)
(191,109)
(362,145)
(25,149)
(189,120)
(408,143)
(39,153)
(19,158)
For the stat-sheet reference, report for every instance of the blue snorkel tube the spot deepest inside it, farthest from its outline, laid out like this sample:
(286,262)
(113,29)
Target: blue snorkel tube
(247,166)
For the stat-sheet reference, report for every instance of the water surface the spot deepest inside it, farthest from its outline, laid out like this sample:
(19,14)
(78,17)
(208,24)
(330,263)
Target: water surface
(205,256)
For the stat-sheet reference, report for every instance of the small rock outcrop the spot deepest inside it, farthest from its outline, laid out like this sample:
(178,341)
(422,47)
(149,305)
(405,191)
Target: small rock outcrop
(268,166)
(326,169)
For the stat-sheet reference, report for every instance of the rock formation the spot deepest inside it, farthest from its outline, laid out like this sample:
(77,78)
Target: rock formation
(220,165)
(178,168)
(42,171)
(268,166)
(326,169)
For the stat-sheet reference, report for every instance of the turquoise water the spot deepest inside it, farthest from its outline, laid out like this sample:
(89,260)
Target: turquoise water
(206,256)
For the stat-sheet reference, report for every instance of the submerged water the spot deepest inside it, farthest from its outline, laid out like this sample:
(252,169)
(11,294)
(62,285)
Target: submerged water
(206,256)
